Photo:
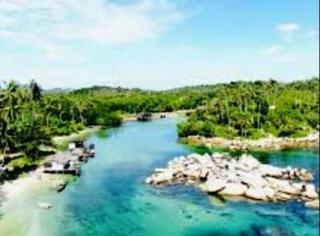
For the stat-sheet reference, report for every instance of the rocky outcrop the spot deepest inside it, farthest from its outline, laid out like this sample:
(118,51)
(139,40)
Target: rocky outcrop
(243,176)
(268,143)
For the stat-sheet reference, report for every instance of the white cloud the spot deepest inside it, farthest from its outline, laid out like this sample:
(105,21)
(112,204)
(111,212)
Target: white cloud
(288,30)
(288,27)
(94,20)
(272,50)
(278,54)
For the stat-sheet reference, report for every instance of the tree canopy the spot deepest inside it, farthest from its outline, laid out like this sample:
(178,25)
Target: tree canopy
(257,109)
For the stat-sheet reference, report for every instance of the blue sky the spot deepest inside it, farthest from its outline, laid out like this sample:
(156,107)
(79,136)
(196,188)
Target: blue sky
(157,44)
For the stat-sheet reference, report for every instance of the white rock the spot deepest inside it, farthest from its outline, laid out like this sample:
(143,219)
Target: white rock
(299,186)
(268,170)
(253,180)
(234,189)
(290,189)
(249,161)
(204,173)
(313,204)
(159,170)
(206,160)
(148,180)
(310,192)
(256,194)
(162,177)
(213,185)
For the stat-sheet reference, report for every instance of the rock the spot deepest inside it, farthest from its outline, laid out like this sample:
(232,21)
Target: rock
(313,204)
(310,192)
(289,189)
(268,170)
(253,180)
(284,186)
(234,189)
(262,194)
(213,185)
(249,161)
(280,196)
(159,170)
(299,186)
(245,176)
(44,205)
(203,174)
(161,177)
(149,180)
(306,176)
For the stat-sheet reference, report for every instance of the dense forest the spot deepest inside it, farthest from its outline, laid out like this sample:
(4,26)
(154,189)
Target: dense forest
(30,117)
(256,110)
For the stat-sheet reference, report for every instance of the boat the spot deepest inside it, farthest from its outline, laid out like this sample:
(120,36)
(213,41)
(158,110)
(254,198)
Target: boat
(61,186)
(145,116)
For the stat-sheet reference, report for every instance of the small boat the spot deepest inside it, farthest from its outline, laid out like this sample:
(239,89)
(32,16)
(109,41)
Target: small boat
(61,186)
(145,116)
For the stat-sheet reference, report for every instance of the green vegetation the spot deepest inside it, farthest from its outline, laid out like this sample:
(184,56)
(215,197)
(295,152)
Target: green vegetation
(29,117)
(257,109)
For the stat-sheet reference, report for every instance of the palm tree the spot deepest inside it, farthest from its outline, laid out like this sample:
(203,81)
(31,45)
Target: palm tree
(10,103)
(81,107)
(35,91)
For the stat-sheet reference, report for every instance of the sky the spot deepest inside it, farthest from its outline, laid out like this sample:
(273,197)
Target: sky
(157,44)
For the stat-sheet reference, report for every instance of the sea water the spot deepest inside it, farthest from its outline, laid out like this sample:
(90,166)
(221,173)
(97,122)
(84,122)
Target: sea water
(111,199)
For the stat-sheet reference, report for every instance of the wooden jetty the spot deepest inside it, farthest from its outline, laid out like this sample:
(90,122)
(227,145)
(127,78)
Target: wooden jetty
(69,162)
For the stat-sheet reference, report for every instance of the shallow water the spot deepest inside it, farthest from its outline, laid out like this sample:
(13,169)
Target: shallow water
(111,198)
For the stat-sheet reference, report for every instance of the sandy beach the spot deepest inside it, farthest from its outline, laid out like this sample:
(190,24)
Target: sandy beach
(35,180)
(20,203)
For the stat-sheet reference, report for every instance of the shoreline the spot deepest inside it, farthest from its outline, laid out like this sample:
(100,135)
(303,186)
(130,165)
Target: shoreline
(36,180)
(61,141)
(157,115)
(264,144)
(11,189)
(33,177)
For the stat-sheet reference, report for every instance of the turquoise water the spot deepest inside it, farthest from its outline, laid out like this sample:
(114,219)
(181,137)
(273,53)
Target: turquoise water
(111,198)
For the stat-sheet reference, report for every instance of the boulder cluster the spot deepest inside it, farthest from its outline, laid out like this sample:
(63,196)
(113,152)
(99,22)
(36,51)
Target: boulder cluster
(243,176)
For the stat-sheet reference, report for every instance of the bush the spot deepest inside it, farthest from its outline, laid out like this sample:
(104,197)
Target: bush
(270,129)
(256,133)
(224,131)
(188,128)
(313,119)
(112,119)
(75,127)
(18,166)
(300,133)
